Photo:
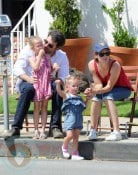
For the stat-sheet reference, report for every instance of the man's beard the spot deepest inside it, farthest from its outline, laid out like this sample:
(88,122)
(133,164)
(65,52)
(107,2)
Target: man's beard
(47,51)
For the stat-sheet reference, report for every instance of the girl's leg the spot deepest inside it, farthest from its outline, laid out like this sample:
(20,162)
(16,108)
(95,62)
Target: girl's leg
(67,139)
(36,119)
(36,114)
(75,153)
(76,133)
(44,105)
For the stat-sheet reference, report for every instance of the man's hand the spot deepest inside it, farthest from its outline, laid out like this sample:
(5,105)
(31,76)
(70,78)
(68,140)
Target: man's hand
(56,67)
(33,79)
(29,79)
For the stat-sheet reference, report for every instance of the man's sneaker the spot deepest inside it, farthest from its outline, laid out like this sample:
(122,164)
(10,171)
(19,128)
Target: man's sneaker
(65,153)
(76,157)
(57,133)
(92,134)
(114,136)
(14,132)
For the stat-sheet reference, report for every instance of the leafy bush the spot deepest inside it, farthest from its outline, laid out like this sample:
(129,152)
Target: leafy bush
(121,35)
(66,16)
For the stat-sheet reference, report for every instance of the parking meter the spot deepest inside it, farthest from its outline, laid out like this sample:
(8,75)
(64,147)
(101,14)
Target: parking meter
(5,63)
(5,30)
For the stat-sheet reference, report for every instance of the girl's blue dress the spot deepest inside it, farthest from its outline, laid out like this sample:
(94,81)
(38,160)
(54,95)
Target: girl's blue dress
(72,108)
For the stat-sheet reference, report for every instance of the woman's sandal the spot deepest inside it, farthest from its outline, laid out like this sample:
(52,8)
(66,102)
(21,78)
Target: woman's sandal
(36,134)
(43,136)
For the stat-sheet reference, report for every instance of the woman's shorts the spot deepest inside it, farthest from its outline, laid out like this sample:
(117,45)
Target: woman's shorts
(117,93)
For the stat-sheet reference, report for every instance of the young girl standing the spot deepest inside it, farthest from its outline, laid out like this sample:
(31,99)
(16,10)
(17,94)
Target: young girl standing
(73,106)
(42,70)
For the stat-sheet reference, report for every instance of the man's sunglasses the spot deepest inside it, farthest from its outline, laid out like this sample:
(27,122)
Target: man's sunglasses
(49,45)
(105,53)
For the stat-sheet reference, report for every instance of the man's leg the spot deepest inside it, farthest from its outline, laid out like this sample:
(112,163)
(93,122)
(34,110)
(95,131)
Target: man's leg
(56,117)
(26,96)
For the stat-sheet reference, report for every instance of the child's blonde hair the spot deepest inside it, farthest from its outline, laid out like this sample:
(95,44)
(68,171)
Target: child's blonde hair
(33,40)
(70,78)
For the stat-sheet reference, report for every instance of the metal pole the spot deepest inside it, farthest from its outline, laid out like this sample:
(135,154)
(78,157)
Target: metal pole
(5,100)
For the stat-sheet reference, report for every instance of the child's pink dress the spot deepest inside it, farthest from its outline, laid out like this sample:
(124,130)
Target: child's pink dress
(43,86)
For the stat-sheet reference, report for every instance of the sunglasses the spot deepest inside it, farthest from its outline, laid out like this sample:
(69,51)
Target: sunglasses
(105,53)
(48,44)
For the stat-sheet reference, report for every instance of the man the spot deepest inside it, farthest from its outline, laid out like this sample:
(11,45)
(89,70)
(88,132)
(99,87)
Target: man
(22,69)
(52,46)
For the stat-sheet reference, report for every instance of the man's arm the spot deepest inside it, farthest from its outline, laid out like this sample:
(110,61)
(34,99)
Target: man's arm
(64,68)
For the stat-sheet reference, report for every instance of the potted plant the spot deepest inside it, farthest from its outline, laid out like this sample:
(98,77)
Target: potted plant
(66,18)
(123,40)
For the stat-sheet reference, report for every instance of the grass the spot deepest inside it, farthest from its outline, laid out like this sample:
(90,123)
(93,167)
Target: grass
(123,107)
(13,103)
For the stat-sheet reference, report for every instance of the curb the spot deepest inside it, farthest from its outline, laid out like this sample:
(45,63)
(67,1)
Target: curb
(124,150)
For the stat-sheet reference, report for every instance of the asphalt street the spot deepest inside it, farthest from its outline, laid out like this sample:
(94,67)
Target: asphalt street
(66,167)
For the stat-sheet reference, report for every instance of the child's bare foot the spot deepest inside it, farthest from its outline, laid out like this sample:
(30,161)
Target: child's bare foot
(36,134)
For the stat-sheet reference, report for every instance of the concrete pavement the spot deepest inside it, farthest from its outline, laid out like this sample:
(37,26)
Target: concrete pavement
(124,150)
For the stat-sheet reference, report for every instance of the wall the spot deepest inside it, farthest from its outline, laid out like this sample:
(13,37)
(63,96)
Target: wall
(43,19)
(95,23)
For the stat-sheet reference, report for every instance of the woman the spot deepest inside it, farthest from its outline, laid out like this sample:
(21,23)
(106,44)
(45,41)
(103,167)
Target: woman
(109,84)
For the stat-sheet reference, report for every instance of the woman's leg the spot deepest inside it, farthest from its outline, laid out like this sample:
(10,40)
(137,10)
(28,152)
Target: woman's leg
(95,113)
(112,111)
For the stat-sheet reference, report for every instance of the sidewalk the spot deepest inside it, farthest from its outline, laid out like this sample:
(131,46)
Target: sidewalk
(124,150)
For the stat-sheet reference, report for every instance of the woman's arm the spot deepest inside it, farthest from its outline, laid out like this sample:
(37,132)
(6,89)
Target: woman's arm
(97,87)
(114,74)
(97,84)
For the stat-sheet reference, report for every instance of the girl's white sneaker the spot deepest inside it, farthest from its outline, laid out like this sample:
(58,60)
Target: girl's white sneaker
(76,157)
(65,153)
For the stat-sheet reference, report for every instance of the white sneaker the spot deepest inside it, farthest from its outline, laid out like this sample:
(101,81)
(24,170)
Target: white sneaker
(92,134)
(65,153)
(76,157)
(114,136)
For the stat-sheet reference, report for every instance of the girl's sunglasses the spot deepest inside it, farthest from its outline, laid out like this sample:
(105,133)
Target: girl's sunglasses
(105,53)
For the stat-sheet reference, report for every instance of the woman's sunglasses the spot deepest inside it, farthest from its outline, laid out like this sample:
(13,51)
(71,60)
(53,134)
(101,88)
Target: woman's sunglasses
(49,45)
(105,53)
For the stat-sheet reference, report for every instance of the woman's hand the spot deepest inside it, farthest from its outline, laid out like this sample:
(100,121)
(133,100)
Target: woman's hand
(87,91)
